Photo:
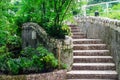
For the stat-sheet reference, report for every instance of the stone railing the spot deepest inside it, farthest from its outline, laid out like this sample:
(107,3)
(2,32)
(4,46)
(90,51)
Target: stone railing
(62,48)
(106,29)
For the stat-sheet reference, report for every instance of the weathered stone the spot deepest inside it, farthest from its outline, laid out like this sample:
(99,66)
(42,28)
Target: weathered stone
(57,46)
(106,29)
(56,75)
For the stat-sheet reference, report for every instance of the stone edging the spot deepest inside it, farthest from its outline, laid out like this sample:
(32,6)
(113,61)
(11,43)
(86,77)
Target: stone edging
(56,75)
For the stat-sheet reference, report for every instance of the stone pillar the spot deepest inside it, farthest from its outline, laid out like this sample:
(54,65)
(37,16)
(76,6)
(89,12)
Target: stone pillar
(29,36)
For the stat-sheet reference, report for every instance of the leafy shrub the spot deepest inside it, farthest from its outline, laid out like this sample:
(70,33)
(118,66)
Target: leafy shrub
(13,66)
(28,52)
(3,59)
(38,63)
(13,42)
(19,65)
(3,50)
(58,31)
(41,59)
(25,63)
(50,62)
(48,59)
(114,15)
(30,60)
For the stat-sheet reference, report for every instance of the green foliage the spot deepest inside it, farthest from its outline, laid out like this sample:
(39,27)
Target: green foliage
(30,60)
(13,66)
(47,58)
(59,31)
(91,10)
(3,60)
(50,62)
(8,26)
(38,63)
(28,52)
(3,50)
(49,14)
(25,63)
(114,14)
(13,42)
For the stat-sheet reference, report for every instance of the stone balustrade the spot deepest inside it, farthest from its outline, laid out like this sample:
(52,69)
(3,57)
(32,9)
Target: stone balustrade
(106,29)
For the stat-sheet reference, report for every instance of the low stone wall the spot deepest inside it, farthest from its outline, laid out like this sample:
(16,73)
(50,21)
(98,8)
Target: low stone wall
(57,75)
(60,47)
(106,29)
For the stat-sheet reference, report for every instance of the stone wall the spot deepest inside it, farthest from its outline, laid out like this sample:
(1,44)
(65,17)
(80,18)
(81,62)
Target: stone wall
(56,75)
(106,29)
(60,47)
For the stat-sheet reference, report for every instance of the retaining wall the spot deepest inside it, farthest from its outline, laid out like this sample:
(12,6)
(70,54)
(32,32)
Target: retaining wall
(56,75)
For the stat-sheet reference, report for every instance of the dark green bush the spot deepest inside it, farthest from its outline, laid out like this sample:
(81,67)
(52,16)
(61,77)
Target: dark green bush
(28,52)
(58,31)
(13,42)
(3,60)
(13,66)
(3,50)
(38,63)
(30,60)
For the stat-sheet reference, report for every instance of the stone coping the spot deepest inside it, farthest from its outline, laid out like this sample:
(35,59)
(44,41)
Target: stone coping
(55,75)
(113,23)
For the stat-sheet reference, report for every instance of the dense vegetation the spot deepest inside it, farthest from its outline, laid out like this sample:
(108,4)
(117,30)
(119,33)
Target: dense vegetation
(29,60)
(49,14)
(113,9)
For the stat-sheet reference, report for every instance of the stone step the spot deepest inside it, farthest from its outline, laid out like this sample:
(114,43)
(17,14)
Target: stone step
(92,59)
(75,31)
(93,66)
(78,33)
(89,47)
(87,41)
(71,26)
(79,36)
(91,79)
(91,52)
(92,74)
(74,28)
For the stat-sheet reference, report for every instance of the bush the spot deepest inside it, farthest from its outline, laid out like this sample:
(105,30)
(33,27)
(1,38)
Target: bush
(48,59)
(13,42)
(13,66)
(38,63)
(30,60)
(3,50)
(58,31)
(50,62)
(3,60)
(28,52)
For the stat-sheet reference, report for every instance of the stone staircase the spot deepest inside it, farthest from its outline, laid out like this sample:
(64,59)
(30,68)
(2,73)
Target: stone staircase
(91,59)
